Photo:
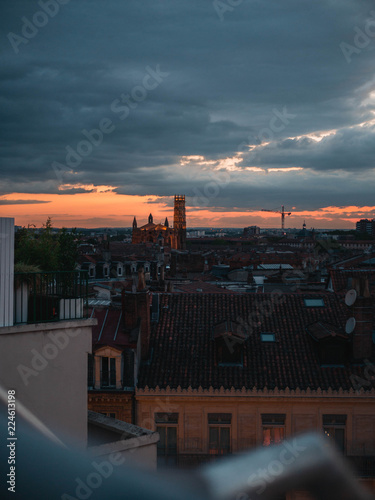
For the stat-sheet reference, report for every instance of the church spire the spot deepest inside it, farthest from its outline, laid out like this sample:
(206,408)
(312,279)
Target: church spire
(166,223)
(134,223)
(150,219)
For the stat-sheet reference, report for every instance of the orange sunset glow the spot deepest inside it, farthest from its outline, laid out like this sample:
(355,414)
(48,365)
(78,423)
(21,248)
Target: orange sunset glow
(103,207)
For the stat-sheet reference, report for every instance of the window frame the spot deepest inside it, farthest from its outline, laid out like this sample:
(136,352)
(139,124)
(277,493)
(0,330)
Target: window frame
(334,422)
(165,424)
(271,422)
(111,372)
(221,423)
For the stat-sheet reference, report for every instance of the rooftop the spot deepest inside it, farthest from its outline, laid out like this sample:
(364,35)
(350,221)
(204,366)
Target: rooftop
(184,352)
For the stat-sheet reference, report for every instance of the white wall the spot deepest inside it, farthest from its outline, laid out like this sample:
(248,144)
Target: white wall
(140,451)
(6,270)
(47,366)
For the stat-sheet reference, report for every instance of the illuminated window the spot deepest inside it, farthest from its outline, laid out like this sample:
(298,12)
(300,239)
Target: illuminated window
(273,428)
(334,428)
(166,426)
(219,427)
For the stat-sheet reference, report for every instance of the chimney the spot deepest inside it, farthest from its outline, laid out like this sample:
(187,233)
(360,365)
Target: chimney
(363,314)
(129,309)
(144,305)
(141,280)
(136,307)
(162,273)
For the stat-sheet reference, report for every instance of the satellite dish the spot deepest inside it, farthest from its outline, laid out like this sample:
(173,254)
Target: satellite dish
(350,325)
(350,297)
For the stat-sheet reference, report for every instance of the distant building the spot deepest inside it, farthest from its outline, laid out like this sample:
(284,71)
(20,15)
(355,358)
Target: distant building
(366,226)
(161,233)
(251,231)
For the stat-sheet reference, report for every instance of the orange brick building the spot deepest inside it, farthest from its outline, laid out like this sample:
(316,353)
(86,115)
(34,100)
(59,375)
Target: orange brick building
(218,374)
(225,373)
(174,237)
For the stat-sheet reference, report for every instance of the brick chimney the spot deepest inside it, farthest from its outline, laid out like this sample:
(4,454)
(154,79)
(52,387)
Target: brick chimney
(136,307)
(363,314)
(141,280)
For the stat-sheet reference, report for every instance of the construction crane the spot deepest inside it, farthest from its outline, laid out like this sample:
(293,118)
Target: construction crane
(282,212)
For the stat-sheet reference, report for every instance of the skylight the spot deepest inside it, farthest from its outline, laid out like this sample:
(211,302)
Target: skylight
(318,302)
(267,337)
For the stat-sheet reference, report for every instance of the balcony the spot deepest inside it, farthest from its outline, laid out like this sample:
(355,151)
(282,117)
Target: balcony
(41,297)
(363,466)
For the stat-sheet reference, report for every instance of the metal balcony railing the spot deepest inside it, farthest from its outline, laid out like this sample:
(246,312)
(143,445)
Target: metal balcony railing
(50,296)
(364,466)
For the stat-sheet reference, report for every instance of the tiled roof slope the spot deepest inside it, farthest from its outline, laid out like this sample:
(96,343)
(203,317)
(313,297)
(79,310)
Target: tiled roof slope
(184,352)
(109,330)
(342,278)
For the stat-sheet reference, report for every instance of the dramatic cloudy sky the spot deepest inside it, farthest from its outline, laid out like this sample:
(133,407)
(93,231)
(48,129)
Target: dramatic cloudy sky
(241,105)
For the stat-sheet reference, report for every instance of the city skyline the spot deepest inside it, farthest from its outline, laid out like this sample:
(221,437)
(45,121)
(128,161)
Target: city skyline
(110,109)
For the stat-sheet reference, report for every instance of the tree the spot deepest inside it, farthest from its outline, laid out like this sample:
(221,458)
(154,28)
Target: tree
(48,251)
(67,250)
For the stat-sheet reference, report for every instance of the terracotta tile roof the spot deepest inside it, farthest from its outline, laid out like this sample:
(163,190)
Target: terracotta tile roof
(109,331)
(201,286)
(321,330)
(184,351)
(341,278)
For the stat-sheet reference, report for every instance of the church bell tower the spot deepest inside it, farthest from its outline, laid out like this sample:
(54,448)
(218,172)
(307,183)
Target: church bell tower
(179,221)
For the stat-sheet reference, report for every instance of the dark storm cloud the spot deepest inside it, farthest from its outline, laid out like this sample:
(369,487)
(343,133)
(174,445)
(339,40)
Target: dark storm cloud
(22,202)
(347,149)
(224,80)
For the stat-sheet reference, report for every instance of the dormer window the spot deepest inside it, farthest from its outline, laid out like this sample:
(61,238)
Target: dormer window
(229,340)
(108,372)
(332,343)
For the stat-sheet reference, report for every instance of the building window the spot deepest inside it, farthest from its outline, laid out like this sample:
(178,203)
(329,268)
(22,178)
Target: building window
(334,428)
(166,426)
(273,428)
(119,271)
(108,373)
(219,425)
(91,272)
